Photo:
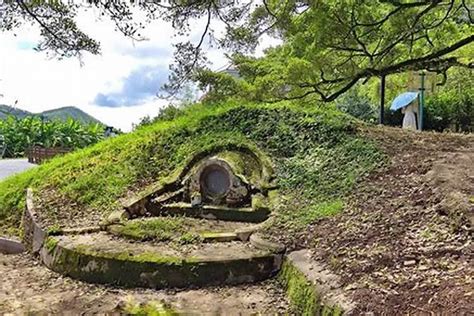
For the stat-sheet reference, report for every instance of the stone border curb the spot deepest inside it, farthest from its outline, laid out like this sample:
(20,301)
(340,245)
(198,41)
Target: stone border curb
(10,246)
(311,288)
(159,273)
(34,235)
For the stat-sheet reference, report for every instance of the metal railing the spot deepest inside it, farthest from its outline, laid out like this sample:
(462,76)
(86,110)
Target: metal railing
(38,155)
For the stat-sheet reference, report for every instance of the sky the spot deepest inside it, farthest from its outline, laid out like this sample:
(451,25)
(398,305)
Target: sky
(118,87)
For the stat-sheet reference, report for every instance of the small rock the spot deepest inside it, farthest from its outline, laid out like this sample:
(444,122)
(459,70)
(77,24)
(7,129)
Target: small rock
(409,263)
(423,268)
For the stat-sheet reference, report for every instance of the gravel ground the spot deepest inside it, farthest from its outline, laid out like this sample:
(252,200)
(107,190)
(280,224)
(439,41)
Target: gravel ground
(10,167)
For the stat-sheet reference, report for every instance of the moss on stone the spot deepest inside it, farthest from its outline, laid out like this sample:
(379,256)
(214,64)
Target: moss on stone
(244,165)
(303,295)
(300,292)
(54,230)
(151,257)
(50,244)
(154,270)
(152,308)
(260,203)
(162,229)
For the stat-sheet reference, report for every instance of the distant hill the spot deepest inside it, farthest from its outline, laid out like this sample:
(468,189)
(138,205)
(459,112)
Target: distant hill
(6,110)
(70,112)
(61,114)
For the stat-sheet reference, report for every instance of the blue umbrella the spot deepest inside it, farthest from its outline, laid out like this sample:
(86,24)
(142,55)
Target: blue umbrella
(403,100)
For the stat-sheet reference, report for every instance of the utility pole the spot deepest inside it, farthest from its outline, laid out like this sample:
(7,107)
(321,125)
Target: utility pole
(422,100)
(382,100)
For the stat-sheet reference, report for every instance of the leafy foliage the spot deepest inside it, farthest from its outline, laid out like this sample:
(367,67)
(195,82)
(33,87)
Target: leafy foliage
(447,111)
(452,108)
(167,113)
(21,134)
(358,104)
(328,46)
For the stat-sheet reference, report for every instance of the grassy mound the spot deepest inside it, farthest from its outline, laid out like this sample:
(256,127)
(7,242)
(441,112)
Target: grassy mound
(317,155)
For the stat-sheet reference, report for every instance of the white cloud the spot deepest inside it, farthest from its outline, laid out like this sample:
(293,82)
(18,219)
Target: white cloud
(124,117)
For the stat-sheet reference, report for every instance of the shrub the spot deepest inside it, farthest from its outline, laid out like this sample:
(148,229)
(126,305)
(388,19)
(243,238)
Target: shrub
(450,111)
(355,103)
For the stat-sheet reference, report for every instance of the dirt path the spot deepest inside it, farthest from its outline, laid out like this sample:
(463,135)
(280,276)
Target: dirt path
(27,287)
(404,243)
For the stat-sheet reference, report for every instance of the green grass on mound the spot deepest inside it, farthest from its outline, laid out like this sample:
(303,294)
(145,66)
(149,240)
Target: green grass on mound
(316,153)
(175,230)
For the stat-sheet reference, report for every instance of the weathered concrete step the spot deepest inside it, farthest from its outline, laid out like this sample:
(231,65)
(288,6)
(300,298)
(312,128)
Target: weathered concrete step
(215,212)
(101,258)
(211,212)
(182,229)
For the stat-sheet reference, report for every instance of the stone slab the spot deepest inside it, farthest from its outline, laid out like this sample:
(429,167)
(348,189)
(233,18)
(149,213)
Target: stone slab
(325,283)
(211,212)
(34,235)
(10,246)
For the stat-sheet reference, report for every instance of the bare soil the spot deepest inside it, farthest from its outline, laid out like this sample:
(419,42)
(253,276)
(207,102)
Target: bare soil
(26,287)
(403,244)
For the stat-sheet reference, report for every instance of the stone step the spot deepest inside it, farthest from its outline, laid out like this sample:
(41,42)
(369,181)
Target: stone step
(182,229)
(211,212)
(103,258)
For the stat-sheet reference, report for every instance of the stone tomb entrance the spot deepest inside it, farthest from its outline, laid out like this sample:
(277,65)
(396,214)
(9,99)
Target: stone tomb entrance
(227,185)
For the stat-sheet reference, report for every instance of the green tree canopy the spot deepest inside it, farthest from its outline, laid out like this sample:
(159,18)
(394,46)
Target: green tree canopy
(329,46)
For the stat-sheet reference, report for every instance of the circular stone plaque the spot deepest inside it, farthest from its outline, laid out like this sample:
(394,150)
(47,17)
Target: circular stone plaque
(215,181)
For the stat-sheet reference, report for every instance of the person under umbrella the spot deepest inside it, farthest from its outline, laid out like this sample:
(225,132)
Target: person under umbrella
(408,103)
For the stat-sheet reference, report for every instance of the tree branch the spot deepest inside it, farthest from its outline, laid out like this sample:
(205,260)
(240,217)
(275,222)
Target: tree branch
(44,26)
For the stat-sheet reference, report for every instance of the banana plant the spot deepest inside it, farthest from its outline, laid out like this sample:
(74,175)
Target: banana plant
(20,134)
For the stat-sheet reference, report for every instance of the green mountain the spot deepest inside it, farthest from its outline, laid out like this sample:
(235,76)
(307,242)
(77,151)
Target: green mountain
(6,111)
(56,114)
(70,112)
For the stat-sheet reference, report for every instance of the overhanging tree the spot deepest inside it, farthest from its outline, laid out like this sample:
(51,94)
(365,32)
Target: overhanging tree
(329,46)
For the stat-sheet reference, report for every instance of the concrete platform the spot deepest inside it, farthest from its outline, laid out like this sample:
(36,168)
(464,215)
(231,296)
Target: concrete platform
(102,258)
